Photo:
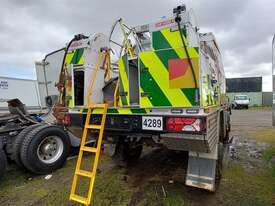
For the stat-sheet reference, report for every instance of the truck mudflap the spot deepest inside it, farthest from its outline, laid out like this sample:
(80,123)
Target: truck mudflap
(201,172)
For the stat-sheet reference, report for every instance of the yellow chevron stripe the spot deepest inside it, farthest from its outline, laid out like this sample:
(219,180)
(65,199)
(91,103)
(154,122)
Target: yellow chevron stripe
(160,75)
(124,77)
(144,101)
(124,111)
(69,57)
(81,61)
(173,38)
(97,111)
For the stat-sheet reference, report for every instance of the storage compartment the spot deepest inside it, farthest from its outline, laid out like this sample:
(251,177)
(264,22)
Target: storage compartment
(133,81)
(78,87)
(109,90)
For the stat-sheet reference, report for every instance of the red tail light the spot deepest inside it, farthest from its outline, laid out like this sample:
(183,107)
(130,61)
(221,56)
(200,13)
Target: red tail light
(178,124)
(67,120)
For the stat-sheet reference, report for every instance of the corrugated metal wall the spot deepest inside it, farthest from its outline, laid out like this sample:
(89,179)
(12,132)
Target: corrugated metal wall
(267,98)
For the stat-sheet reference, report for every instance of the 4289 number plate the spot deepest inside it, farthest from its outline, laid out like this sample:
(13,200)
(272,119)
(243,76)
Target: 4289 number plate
(152,123)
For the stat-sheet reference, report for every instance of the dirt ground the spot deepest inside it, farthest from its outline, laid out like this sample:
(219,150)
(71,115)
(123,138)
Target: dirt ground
(158,178)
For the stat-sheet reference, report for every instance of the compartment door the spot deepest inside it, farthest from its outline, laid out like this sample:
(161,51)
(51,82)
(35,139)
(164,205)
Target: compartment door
(166,79)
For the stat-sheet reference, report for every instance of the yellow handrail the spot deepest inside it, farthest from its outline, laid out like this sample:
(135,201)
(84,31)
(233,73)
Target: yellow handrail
(89,90)
(126,41)
(115,94)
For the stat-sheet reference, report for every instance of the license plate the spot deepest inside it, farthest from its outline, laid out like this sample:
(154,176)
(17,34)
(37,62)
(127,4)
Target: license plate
(152,123)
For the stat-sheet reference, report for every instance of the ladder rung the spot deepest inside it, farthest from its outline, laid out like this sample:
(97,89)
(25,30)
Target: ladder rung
(94,126)
(79,199)
(84,173)
(89,149)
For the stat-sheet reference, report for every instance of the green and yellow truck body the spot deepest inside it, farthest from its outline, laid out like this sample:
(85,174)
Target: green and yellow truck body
(171,93)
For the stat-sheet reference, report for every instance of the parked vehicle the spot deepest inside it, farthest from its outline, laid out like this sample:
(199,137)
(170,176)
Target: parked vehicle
(11,88)
(30,141)
(240,101)
(168,91)
(165,88)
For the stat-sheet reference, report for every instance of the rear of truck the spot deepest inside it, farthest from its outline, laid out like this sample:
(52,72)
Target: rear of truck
(172,94)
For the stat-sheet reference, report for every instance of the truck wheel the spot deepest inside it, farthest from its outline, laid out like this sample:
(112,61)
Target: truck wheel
(45,149)
(126,154)
(17,144)
(3,162)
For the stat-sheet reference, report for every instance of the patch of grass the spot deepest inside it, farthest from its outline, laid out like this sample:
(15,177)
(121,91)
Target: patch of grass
(161,193)
(266,108)
(243,189)
(265,135)
(269,154)
(114,187)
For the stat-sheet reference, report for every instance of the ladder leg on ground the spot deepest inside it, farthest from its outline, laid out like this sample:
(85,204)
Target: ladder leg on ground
(93,150)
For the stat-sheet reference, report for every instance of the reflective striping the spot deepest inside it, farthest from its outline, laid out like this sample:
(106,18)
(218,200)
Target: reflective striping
(139,111)
(160,75)
(75,57)
(166,54)
(123,80)
(124,111)
(150,87)
(122,99)
(119,111)
(69,57)
(78,53)
(81,60)
(190,94)
(144,100)
(96,111)
(112,111)
(174,40)
(158,41)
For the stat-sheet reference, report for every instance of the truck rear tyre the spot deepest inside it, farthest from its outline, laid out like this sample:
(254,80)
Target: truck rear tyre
(3,162)
(17,144)
(126,154)
(45,149)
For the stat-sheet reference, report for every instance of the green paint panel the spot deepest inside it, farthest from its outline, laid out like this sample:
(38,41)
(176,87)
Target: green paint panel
(149,85)
(138,111)
(112,111)
(125,63)
(165,55)
(190,94)
(159,41)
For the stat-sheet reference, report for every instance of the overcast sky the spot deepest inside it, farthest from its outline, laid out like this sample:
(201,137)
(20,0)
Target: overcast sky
(31,28)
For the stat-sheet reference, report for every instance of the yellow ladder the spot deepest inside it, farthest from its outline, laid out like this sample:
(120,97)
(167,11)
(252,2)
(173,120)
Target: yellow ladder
(83,148)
